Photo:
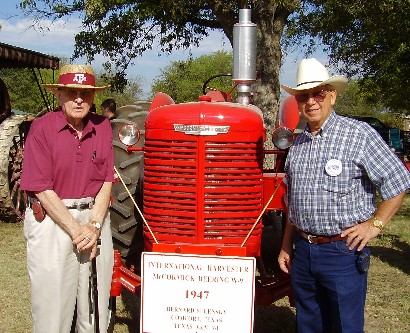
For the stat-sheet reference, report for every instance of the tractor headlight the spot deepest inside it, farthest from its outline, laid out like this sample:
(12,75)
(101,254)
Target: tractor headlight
(282,137)
(129,134)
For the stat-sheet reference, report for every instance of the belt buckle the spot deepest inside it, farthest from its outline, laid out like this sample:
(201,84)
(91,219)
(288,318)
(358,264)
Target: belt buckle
(77,205)
(310,238)
(82,206)
(74,205)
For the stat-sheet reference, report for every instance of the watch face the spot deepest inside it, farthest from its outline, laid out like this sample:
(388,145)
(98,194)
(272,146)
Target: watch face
(97,225)
(377,223)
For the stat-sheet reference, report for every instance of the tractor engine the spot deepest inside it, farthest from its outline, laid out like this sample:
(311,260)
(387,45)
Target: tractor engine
(203,174)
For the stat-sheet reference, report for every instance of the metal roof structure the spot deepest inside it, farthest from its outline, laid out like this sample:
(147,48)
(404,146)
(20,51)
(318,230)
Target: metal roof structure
(17,57)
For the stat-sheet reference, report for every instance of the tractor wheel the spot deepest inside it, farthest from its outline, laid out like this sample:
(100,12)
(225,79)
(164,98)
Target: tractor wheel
(126,225)
(272,241)
(13,132)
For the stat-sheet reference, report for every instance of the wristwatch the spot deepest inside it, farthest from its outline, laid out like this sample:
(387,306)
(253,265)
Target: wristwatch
(96,225)
(377,223)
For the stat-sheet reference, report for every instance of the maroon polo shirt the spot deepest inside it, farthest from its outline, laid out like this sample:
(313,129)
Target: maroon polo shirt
(55,159)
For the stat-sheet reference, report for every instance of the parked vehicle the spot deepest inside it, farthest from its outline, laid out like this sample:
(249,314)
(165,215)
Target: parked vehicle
(397,139)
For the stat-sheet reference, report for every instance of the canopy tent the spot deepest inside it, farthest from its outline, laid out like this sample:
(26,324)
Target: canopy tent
(17,57)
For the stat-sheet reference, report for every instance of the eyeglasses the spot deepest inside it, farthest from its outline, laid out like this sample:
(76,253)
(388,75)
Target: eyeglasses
(318,96)
(73,93)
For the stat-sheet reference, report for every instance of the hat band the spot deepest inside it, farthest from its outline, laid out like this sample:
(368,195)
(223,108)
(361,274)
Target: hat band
(84,79)
(307,82)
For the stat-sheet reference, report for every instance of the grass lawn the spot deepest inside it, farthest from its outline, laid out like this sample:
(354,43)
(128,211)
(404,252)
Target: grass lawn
(388,298)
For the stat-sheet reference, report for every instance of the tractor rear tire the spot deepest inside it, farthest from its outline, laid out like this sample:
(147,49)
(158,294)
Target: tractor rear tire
(271,242)
(126,223)
(13,132)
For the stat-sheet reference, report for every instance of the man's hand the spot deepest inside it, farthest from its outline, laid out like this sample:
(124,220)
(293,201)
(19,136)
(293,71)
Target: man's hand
(360,234)
(86,238)
(285,260)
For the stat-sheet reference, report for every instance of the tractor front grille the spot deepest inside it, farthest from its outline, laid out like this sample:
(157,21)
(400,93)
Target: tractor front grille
(202,191)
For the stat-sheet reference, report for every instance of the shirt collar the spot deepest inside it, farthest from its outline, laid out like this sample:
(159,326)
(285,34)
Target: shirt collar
(62,123)
(329,122)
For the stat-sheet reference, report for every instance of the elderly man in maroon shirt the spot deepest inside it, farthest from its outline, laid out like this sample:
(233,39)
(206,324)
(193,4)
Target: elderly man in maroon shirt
(68,173)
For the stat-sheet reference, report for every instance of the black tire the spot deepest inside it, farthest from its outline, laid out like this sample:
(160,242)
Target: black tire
(271,243)
(13,132)
(126,223)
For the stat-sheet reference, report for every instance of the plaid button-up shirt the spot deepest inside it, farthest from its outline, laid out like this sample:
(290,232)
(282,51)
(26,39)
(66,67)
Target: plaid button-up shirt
(332,177)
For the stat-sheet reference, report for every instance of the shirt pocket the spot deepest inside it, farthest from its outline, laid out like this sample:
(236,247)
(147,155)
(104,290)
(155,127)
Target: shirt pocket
(344,183)
(98,169)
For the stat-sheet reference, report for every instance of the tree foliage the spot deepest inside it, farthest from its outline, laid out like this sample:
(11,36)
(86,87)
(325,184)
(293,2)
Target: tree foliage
(131,93)
(369,40)
(122,30)
(23,90)
(183,80)
(353,102)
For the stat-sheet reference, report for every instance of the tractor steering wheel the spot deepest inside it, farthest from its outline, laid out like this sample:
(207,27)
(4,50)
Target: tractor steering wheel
(205,86)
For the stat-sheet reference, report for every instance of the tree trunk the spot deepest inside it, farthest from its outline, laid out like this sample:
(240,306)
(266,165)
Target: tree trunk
(269,60)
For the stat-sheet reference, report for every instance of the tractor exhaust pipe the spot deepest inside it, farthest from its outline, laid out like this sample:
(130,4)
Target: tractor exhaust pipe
(244,55)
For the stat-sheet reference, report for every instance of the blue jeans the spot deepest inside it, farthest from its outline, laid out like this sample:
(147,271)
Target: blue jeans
(329,290)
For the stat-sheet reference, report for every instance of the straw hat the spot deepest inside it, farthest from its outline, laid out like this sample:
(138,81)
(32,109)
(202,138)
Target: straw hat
(311,73)
(75,77)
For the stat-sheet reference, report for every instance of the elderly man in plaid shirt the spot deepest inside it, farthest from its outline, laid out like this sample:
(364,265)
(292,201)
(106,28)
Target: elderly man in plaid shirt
(333,172)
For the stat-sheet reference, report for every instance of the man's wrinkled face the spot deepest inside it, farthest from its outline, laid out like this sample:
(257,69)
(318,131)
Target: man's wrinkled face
(316,104)
(75,103)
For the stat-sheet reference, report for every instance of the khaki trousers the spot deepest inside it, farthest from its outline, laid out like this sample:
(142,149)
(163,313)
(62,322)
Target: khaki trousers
(60,276)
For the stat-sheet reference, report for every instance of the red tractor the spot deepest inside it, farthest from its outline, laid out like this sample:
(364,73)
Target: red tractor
(197,169)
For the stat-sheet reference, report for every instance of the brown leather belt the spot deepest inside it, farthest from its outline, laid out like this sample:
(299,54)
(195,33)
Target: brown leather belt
(314,239)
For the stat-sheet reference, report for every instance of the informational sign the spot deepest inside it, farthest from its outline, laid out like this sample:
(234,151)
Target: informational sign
(196,293)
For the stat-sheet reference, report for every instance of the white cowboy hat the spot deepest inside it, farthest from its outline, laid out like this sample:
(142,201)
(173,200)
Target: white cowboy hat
(311,73)
(75,77)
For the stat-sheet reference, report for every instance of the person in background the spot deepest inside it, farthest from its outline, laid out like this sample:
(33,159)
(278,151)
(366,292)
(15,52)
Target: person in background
(333,171)
(93,108)
(109,108)
(67,175)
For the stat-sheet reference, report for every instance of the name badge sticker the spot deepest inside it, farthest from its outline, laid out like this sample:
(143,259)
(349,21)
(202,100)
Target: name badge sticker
(333,167)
